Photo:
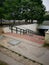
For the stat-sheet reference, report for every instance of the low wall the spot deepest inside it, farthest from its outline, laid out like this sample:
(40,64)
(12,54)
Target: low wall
(47,37)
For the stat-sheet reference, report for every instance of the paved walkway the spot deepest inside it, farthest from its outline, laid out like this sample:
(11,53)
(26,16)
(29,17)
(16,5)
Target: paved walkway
(33,38)
(27,48)
(18,58)
(9,60)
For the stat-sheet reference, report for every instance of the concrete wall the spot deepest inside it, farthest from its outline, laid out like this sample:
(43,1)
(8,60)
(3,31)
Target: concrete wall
(47,37)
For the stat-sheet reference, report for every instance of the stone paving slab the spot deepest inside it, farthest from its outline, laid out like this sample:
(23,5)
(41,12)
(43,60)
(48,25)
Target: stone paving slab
(17,57)
(45,58)
(33,38)
(33,52)
(23,40)
(9,60)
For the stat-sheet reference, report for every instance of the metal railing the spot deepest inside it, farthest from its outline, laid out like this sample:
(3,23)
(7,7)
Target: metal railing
(24,31)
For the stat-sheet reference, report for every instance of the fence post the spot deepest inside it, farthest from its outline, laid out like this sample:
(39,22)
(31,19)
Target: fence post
(11,29)
(16,29)
(20,31)
(23,31)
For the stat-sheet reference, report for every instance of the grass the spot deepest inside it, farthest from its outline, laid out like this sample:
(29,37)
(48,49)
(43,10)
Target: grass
(3,63)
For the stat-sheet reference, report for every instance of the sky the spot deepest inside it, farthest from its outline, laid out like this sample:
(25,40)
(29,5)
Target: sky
(46,3)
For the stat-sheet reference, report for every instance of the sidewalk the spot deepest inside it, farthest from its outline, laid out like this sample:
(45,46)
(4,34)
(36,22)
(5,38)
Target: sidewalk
(33,38)
(26,48)
(9,60)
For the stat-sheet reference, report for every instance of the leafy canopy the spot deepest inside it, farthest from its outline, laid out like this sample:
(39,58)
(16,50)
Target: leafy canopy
(22,9)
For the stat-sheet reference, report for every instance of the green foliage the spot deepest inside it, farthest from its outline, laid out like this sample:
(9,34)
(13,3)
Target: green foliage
(1,8)
(46,17)
(22,9)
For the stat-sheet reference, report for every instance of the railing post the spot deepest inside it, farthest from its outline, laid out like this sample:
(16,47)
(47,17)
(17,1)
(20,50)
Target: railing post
(20,31)
(16,29)
(11,29)
(23,31)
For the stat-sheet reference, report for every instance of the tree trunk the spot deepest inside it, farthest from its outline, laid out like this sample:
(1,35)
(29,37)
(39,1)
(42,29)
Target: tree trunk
(13,22)
(31,21)
(1,22)
(26,21)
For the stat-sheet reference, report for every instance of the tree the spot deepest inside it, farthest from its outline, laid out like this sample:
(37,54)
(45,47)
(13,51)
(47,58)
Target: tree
(46,17)
(12,9)
(23,9)
(1,10)
(37,10)
(33,9)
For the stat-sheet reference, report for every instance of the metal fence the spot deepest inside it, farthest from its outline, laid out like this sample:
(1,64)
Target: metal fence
(22,31)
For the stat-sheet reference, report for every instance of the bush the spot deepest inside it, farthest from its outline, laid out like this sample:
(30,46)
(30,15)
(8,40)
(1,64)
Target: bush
(46,17)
